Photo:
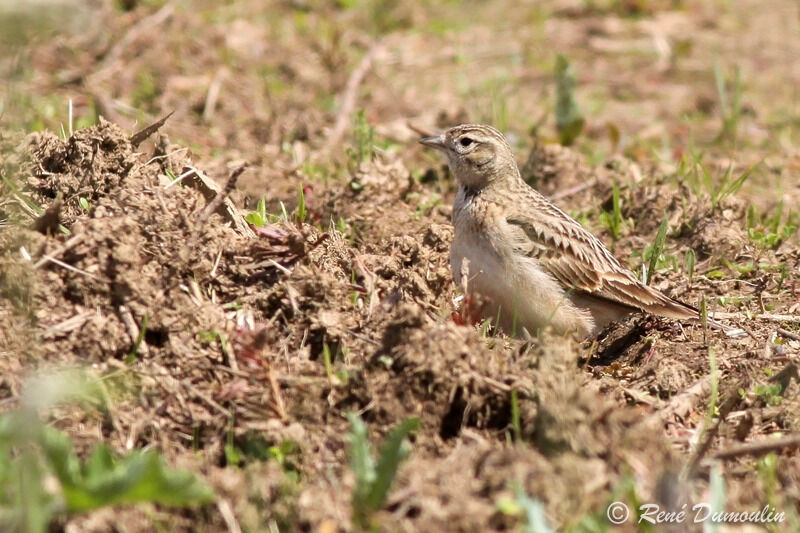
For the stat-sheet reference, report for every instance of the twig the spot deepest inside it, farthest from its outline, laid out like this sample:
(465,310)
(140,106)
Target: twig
(732,332)
(133,329)
(226,511)
(210,191)
(165,156)
(637,395)
(144,26)
(280,267)
(212,206)
(179,178)
(213,272)
(419,129)
(213,95)
(229,356)
(70,267)
(788,334)
(682,403)
(71,242)
(574,190)
(280,407)
(362,337)
(137,138)
(760,447)
(68,325)
(348,99)
(767,353)
(217,201)
(768,317)
(731,399)
(210,401)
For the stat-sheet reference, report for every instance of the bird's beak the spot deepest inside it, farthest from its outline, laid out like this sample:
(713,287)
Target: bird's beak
(436,141)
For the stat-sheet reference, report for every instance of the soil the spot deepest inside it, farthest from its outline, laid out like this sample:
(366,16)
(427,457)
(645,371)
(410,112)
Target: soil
(210,332)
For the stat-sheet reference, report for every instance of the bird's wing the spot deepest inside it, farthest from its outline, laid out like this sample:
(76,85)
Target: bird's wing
(580,262)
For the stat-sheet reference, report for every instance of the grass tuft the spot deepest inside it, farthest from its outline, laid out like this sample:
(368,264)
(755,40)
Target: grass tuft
(569,119)
(33,455)
(656,250)
(614,221)
(374,478)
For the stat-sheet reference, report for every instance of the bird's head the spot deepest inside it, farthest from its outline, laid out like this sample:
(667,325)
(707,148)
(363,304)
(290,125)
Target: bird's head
(478,155)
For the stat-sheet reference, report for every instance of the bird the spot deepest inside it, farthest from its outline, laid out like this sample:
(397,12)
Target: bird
(532,265)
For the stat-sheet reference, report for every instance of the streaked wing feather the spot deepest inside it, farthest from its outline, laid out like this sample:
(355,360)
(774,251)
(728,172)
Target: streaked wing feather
(579,261)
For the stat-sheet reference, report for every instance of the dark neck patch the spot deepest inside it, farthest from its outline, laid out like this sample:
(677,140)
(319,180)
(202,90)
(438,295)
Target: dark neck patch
(469,193)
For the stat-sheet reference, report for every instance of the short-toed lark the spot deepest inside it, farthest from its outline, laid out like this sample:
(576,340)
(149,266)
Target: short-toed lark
(533,264)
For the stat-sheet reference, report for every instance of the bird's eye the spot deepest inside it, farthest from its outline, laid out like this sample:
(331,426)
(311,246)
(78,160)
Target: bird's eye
(465,141)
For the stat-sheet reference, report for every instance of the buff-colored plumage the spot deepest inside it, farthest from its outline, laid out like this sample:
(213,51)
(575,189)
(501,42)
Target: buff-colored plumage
(533,264)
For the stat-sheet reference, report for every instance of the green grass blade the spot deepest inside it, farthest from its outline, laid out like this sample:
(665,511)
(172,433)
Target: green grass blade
(733,187)
(361,462)
(393,451)
(516,425)
(301,204)
(657,249)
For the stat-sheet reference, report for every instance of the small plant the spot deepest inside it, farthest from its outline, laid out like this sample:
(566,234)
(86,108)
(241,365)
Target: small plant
(145,90)
(731,108)
(363,149)
(301,204)
(690,260)
(614,220)
(769,232)
(768,472)
(770,394)
(569,120)
(315,172)
(426,205)
(327,360)
(233,456)
(654,252)
(374,479)
(84,203)
(286,455)
(344,228)
(700,179)
(133,356)
(259,216)
(32,453)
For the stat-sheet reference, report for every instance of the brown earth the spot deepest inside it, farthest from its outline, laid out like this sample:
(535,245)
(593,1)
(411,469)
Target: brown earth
(238,321)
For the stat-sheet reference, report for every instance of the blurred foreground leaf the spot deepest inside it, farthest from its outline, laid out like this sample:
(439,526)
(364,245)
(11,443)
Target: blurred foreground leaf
(374,479)
(105,480)
(41,476)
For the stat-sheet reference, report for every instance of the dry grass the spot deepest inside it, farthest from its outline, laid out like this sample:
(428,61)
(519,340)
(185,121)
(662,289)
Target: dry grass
(238,351)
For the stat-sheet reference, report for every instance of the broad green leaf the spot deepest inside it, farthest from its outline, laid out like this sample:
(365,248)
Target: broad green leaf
(255,219)
(105,480)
